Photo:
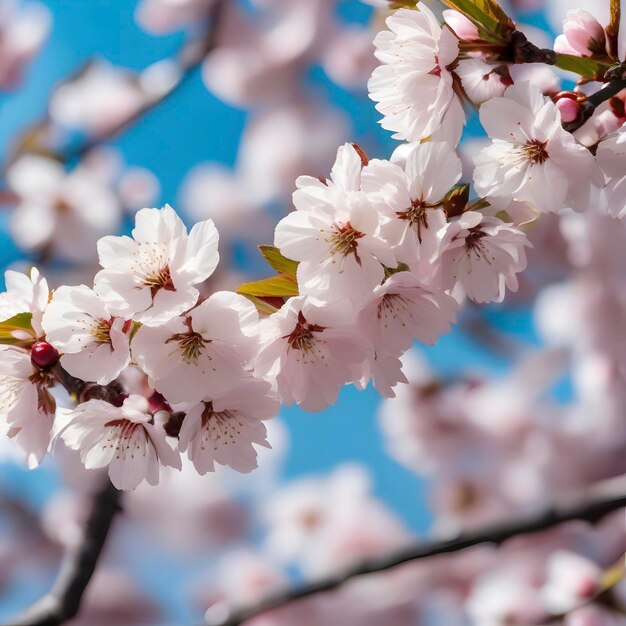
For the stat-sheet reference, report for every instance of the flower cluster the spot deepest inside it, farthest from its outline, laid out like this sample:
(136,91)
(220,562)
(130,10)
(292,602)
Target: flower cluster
(378,255)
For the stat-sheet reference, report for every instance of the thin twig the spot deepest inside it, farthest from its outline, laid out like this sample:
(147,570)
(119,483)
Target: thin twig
(187,60)
(496,534)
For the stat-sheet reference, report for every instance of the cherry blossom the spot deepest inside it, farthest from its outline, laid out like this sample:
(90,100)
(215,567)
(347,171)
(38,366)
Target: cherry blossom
(27,408)
(531,157)
(335,234)
(582,35)
(203,354)
(125,439)
(25,294)
(310,350)
(94,344)
(401,310)
(98,100)
(152,276)
(223,429)
(164,16)
(413,87)
(23,30)
(66,212)
(483,254)
(410,198)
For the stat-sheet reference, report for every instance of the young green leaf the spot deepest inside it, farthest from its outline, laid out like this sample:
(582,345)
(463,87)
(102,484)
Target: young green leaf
(277,261)
(282,286)
(19,322)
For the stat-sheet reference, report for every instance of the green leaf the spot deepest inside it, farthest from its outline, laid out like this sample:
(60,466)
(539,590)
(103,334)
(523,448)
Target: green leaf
(589,68)
(21,321)
(493,23)
(277,261)
(282,286)
(262,306)
(456,200)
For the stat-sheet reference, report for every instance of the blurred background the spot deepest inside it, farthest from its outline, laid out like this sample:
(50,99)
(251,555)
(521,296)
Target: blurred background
(107,106)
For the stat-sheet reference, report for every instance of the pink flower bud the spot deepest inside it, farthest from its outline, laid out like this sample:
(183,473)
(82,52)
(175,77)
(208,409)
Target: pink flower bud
(462,27)
(43,354)
(582,33)
(568,109)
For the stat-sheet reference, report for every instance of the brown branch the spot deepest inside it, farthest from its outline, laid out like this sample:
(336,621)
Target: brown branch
(496,534)
(187,60)
(64,600)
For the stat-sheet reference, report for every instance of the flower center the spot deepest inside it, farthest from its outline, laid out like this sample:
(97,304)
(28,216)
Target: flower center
(391,305)
(416,216)
(152,266)
(344,240)
(535,151)
(302,338)
(101,332)
(190,345)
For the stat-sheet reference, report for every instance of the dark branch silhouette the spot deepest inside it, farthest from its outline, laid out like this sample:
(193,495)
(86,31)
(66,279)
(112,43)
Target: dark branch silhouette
(496,534)
(63,601)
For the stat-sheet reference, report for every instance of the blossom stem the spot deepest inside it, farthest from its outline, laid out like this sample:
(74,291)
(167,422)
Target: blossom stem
(63,601)
(496,534)
(588,106)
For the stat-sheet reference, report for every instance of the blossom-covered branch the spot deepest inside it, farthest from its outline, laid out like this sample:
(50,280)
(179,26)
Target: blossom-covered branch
(591,511)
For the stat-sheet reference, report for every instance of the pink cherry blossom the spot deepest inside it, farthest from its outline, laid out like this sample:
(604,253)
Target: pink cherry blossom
(65,212)
(413,86)
(23,30)
(334,233)
(400,311)
(484,255)
(94,344)
(572,580)
(582,35)
(531,157)
(125,439)
(165,16)
(97,101)
(25,294)
(310,349)
(203,354)
(152,276)
(462,27)
(26,405)
(223,429)
(410,199)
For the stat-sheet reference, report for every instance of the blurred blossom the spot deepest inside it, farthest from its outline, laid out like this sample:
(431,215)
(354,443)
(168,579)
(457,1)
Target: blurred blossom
(309,136)
(164,16)
(98,100)
(63,212)
(214,192)
(24,26)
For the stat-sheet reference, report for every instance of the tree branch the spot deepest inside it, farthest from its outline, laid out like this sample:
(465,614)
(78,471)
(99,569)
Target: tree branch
(63,601)
(187,60)
(497,534)
(588,106)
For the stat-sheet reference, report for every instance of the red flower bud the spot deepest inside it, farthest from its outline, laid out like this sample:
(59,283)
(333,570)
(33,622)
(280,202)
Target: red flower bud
(43,354)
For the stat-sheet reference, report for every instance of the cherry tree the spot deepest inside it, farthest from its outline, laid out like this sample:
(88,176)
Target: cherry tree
(152,365)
